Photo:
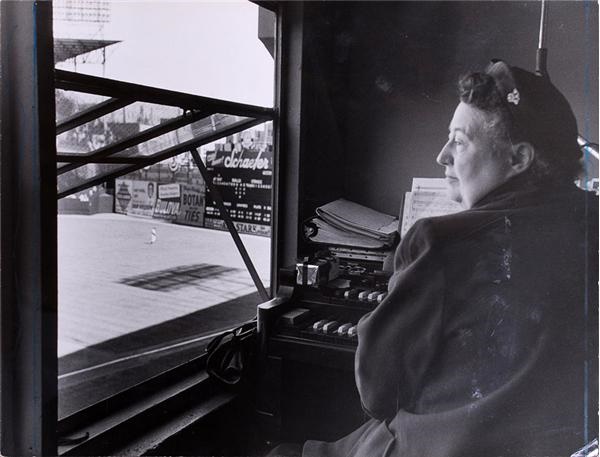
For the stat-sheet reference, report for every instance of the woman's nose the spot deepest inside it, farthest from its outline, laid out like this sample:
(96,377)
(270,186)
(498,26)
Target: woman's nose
(444,157)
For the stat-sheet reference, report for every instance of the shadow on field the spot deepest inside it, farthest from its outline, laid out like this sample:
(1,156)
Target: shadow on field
(178,277)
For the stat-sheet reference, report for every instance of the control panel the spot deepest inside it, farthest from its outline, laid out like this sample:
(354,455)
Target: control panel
(330,296)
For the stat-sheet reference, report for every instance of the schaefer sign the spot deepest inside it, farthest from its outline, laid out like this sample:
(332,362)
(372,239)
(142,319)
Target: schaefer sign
(248,163)
(243,179)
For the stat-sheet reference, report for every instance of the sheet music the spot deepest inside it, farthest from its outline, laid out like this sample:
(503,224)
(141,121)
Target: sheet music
(434,184)
(406,214)
(428,198)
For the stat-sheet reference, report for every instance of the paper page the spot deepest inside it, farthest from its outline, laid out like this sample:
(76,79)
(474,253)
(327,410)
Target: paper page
(329,234)
(428,199)
(350,215)
(435,184)
(406,213)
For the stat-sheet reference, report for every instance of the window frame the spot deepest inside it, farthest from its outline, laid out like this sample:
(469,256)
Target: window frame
(123,94)
(22,435)
(28,306)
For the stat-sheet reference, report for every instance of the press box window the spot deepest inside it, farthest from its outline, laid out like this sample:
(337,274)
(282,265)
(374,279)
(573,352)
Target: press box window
(148,272)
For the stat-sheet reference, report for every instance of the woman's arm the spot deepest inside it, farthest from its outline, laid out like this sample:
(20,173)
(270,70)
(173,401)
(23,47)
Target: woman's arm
(398,340)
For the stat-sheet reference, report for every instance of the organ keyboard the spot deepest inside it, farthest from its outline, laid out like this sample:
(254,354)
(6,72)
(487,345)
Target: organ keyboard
(324,313)
(308,338)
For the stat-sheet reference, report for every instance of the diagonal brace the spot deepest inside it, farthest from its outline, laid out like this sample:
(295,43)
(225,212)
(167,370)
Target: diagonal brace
(216,196)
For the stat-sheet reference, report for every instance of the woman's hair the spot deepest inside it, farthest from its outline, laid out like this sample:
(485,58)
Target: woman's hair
(480,91)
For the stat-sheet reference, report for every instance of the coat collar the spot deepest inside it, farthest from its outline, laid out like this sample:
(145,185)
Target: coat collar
(522,191)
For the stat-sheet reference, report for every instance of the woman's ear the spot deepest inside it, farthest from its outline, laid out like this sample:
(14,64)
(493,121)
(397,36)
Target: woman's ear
(522,157)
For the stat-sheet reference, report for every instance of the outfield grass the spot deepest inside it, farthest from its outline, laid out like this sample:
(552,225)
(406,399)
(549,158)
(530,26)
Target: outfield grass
(101,256)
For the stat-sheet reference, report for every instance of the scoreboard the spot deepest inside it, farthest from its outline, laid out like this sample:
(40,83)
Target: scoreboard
(244,180)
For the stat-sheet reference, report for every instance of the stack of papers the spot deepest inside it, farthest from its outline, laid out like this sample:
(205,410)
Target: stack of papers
(345,223)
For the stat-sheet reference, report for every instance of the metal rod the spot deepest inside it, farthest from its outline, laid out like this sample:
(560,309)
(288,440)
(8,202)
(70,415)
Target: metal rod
(163,155)
(543,16)
(96,111)
(541,55)
(74,161)
(216,196)
(108,87)
(133,140)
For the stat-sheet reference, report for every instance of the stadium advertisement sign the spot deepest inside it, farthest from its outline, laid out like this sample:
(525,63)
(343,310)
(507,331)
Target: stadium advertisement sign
(167,205)
(143,198)
(168,191)
(191,211)
(243,177)
(241,227)
(123,195)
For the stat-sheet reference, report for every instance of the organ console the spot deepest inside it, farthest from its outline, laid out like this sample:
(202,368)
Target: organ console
(308,341)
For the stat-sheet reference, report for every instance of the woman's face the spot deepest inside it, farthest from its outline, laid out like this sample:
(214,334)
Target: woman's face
(475,162)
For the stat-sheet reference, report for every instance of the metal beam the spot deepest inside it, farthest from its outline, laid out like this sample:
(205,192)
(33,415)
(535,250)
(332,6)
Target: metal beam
(75,161)
(290,136)
(28,300)
(216,196)
(133,140)
(270,5)
(276,196)
(94,112)
(118,89)
(163,155)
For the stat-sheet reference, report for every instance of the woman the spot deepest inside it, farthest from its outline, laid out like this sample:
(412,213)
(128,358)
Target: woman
(487,342)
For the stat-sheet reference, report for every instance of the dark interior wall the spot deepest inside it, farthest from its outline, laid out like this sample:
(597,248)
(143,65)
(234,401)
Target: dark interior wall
(324,91)
(381,83)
